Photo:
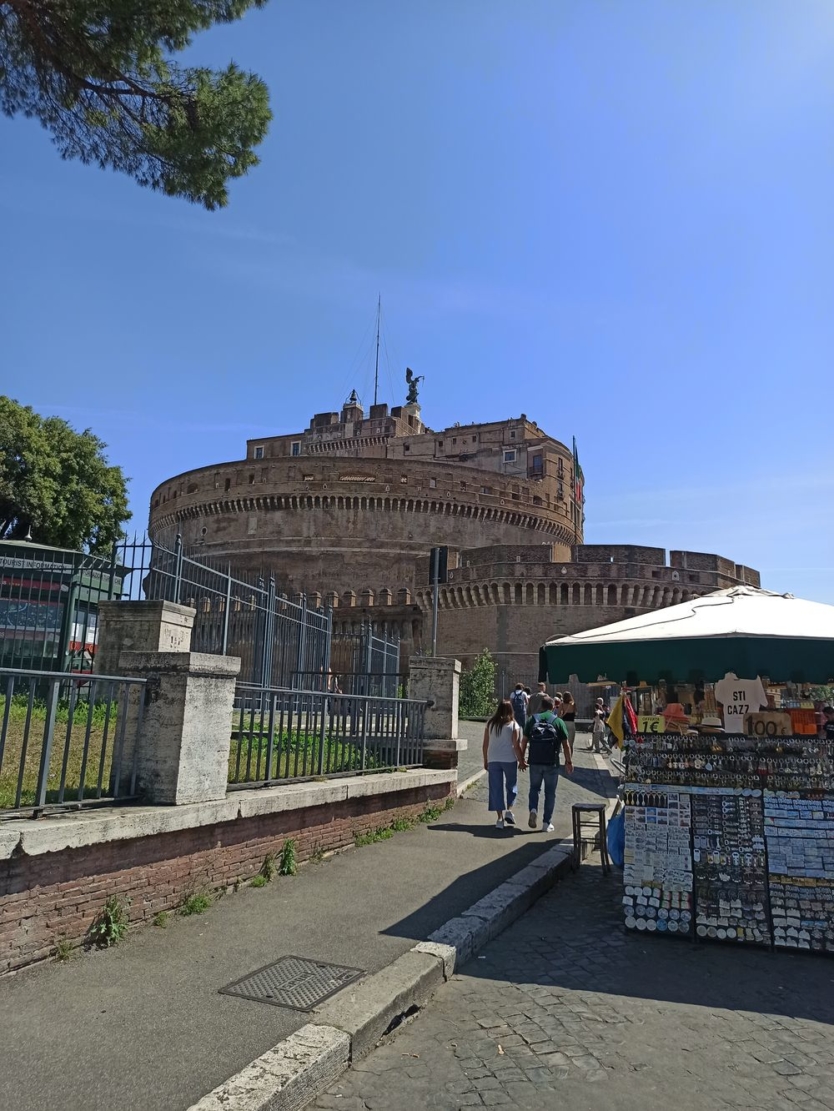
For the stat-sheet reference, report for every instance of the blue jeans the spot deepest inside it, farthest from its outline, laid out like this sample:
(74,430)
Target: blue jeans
(544,773)
(498,771)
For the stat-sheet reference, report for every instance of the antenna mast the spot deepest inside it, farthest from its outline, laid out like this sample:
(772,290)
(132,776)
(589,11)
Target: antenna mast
(376,368)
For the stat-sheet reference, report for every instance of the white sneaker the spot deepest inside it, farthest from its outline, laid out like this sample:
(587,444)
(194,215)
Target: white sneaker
(509,818)
(533,820)
(550,828)
(499,824)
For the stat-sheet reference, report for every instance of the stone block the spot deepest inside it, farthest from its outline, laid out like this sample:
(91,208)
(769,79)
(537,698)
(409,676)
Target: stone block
(285,1078)
(365,1010)
(185,730)
(140,627)
(436,681)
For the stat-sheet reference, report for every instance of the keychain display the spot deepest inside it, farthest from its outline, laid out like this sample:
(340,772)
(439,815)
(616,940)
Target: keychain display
(735,835)
(730,868)
(658,861)
(800,845)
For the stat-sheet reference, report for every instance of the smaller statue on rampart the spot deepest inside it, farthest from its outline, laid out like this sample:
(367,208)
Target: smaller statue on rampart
(412,379)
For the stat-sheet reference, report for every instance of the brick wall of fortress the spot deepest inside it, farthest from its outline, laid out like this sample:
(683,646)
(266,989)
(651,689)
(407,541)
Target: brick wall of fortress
(352,524)
(514,605)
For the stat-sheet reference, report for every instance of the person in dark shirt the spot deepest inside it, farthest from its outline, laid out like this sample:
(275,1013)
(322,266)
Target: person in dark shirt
(828,727)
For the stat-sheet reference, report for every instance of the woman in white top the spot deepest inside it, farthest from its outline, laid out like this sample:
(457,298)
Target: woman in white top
(502,754)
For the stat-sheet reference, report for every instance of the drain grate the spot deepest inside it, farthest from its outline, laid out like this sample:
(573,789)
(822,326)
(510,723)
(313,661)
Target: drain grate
(293,982)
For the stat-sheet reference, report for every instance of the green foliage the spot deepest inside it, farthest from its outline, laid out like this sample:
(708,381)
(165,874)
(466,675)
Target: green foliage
(161,919)
(400,825)
(98,74)
(63,949)
(477,688)
(318,855)
(430,814)
(55,481)
(197,903)
(13,757)
(292,754)
(111,925)
(259,881)
(288,864)
(382,834)
(269,867)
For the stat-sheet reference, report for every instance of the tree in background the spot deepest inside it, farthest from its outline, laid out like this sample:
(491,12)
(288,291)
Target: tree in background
(56,483)
(98,75)
(477,688)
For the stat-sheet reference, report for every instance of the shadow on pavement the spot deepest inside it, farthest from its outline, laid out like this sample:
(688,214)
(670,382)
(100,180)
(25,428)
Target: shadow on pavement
(574,938)
(467,889)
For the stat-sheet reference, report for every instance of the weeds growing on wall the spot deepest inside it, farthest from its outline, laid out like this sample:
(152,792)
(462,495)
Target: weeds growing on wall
(112,923)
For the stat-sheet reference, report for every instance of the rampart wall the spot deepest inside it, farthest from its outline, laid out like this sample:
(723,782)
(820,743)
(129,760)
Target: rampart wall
(351,525)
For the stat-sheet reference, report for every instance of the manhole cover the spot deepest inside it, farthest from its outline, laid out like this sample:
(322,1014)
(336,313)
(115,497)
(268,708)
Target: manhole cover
(293,982)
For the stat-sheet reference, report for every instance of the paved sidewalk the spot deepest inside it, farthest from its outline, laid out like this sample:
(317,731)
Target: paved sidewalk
(566,1010)
(146,1017)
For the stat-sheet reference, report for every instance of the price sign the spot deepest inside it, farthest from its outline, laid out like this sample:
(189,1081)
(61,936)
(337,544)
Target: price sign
(770,723)
(650,723)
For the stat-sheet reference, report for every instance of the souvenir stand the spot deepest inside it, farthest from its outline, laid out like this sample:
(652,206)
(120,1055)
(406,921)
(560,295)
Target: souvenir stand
(729,834)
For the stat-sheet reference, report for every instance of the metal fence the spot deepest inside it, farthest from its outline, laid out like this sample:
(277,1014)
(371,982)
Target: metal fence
(66,740)
(361,662)
(281,734)
(274,637)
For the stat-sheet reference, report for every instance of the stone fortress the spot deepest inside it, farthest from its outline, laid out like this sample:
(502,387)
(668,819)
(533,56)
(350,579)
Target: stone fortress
(347,511)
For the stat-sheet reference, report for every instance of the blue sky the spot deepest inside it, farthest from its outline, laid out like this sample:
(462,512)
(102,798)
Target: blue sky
(615,217)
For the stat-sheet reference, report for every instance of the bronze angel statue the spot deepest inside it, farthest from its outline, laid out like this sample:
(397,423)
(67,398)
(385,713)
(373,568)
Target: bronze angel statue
(412,380)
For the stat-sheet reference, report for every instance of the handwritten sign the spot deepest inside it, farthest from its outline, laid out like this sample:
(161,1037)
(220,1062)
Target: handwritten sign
(769,723)
(651,723)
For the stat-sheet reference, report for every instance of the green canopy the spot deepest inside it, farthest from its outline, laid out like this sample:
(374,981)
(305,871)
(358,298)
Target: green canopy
(741,630)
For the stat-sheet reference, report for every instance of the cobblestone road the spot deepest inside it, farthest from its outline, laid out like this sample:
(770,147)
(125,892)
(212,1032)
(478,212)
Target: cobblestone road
(565,1009)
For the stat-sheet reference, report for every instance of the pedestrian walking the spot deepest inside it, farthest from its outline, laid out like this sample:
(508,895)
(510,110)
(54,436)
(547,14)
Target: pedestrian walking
(502,759)
(568,715)
(544,736)
(598,727)
(518,700)
(534,703)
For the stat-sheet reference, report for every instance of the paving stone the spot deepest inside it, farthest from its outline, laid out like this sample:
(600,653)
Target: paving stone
(670,1024)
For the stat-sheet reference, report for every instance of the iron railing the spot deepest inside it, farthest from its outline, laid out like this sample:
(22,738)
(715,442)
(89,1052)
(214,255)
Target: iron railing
(274,636)
(281,641)
(67,740)
(280,734)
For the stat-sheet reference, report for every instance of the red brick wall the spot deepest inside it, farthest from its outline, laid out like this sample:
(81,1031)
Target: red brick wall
(44,899)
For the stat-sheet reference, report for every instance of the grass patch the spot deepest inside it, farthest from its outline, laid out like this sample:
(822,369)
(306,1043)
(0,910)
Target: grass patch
(400,825)
(63,950)
(195,904)
(317,855)
(67,746)
(259,881)
(293,755)
(112,923)
(268,868)
(161,919)
(288,864)
(371,838)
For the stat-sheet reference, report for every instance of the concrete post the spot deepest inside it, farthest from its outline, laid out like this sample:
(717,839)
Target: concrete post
(140,627)
(185,734)
(436,680)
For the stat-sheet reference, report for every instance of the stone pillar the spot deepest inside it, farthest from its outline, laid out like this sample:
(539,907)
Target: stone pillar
(140,627)
(436,681)
(185,734)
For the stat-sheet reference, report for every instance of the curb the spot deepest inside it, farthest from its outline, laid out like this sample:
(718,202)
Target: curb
(467,783)
(302,1066)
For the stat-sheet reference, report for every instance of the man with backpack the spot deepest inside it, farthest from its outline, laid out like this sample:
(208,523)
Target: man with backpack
(544,735)
(518,701)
